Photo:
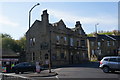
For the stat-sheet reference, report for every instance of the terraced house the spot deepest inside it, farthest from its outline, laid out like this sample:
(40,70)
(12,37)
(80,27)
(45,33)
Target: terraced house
(103,45)
(56,42)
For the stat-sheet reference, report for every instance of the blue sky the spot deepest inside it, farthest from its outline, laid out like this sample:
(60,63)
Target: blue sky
(14,15)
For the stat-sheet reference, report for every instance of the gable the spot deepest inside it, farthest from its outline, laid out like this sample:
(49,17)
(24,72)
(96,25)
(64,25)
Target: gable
(61,25)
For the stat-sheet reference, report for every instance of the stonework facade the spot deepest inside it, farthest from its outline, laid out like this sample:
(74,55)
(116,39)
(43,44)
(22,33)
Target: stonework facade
(56,42)
(100,46)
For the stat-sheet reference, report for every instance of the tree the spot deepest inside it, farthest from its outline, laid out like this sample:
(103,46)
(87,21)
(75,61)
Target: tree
(6,36)
(15,45)
(22,42)
(114,32)
(9,43)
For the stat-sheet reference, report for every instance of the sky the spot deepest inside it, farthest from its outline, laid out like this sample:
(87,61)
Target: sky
(14,15)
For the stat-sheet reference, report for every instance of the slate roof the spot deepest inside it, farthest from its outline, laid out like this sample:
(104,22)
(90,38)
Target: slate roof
(105,37)
(116,37)
(91,38)
(9,53)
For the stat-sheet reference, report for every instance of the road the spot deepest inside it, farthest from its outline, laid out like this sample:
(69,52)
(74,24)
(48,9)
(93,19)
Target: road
(88,71)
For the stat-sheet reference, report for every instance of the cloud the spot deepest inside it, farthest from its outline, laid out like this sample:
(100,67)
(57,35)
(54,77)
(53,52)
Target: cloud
(67,17)
(7,22)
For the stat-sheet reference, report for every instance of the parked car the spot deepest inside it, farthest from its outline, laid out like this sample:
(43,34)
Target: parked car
(112,64)
(24,67)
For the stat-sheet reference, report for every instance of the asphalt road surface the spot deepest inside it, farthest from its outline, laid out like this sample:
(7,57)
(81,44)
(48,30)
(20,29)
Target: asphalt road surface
(86,71)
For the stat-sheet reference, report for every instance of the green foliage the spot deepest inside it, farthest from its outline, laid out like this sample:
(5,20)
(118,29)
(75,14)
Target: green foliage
(22,42)
(9,43)
(15,45)
(6,36)
(107,33)
(90,35)
(114,32)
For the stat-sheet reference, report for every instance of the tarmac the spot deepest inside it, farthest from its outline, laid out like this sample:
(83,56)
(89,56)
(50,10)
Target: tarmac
(44,73)
(28,75)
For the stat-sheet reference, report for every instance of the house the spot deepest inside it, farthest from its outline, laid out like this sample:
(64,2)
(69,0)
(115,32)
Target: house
(55,42)
(102,45)
(9,57)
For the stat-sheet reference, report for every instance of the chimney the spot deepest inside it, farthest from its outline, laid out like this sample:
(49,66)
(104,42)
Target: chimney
(78,24)
(45,16)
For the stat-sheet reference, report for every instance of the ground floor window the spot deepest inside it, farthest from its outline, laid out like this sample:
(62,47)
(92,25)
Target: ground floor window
(62,55)
(33,56)
(46,56)
(58,54)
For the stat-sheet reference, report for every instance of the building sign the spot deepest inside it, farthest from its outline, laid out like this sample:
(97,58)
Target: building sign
(8,59)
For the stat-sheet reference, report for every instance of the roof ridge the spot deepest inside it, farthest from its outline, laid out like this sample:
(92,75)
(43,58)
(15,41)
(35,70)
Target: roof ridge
(110,37)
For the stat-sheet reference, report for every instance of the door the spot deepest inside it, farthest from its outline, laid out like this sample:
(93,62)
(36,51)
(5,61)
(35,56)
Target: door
(113,63)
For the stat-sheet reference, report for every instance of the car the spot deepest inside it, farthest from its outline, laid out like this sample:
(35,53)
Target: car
(24,67)
(111,63)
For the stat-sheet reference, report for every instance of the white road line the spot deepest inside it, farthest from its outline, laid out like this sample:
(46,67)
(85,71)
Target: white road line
(57,77)
(15,75)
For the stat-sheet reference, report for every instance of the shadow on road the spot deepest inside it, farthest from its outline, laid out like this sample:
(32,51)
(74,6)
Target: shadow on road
(117,72)
(85,65)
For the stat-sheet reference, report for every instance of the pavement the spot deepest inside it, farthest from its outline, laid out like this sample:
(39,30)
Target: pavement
(44,73)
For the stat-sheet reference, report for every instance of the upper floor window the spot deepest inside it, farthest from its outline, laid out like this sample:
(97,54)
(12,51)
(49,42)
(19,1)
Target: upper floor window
(83,43)
(99,44)
(71,41)
(65,38)
(32,41)
(93,52)
(108,43)
(113,43)
(58,38)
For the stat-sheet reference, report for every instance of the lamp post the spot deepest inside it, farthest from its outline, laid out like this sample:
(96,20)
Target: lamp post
(96,27)
(50,62)
(96,38)
(30,13)
(29,23)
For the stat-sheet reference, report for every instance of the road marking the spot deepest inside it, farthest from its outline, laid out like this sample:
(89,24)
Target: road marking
(15,75)
(57,77)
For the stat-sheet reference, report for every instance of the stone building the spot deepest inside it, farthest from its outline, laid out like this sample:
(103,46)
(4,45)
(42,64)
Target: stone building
(102,45)
(55,42)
